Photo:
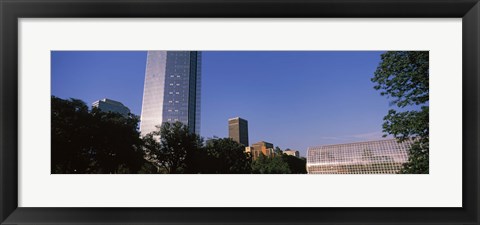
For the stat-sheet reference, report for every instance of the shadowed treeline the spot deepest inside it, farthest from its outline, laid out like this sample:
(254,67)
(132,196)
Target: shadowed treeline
(94,142)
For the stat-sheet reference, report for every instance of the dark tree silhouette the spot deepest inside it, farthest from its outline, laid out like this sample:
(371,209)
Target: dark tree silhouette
(93,141)
(172,146)
(295,164)
(86,141)
(224,155)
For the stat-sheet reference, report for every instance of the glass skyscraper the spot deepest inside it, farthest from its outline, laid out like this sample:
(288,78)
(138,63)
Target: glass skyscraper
(171,90)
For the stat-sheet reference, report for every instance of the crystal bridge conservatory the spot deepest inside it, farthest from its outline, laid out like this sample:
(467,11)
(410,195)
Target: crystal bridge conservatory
(371,157)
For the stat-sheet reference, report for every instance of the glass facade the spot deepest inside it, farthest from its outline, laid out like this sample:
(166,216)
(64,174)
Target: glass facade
(108,105)
(171,90)
(371,157)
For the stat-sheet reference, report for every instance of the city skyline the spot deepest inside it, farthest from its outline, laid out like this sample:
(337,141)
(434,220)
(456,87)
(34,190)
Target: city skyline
(292,99)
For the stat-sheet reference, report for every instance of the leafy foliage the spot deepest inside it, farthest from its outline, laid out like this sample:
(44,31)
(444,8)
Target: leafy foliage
(295,164)
(225,155)
(403,125)
(278,151)
(86,141)
(404,76)
(419,158)
(270,165)
(172,146)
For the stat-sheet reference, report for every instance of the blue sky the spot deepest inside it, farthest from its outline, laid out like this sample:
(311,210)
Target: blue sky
(293,99)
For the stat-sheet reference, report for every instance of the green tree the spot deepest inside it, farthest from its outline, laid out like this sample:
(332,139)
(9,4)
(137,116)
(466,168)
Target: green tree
(295,164)
(69,130)
(403,76)
(172,147)
(117,142)
(278,151)
(225,156)
(86,141)
(270,165)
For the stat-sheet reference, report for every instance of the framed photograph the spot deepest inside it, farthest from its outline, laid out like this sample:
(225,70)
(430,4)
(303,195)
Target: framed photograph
(252,112)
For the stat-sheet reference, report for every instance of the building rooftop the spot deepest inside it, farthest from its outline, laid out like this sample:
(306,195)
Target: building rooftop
(236,118)
(348,144)
(106,100)
(263,142)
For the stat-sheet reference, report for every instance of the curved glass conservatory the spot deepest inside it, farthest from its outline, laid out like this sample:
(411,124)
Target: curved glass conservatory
(371,157)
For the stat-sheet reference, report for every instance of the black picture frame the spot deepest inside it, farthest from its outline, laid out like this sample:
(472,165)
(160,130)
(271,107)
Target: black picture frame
(12,10)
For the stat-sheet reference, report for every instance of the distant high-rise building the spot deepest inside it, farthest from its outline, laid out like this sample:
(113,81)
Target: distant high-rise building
(261,147)
(292,152)
(380,157)
(238,130)
(171,90)
(108,105)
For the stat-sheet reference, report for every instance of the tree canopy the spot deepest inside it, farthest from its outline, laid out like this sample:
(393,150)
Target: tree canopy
(172,146)
(92,141)
(270,165)
(295,164)
(403,76)
(224,155)
(86,141)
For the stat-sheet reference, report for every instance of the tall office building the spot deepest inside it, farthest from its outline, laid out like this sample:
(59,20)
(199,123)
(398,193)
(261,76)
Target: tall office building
(171,90)
(238,130)
(108,105)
